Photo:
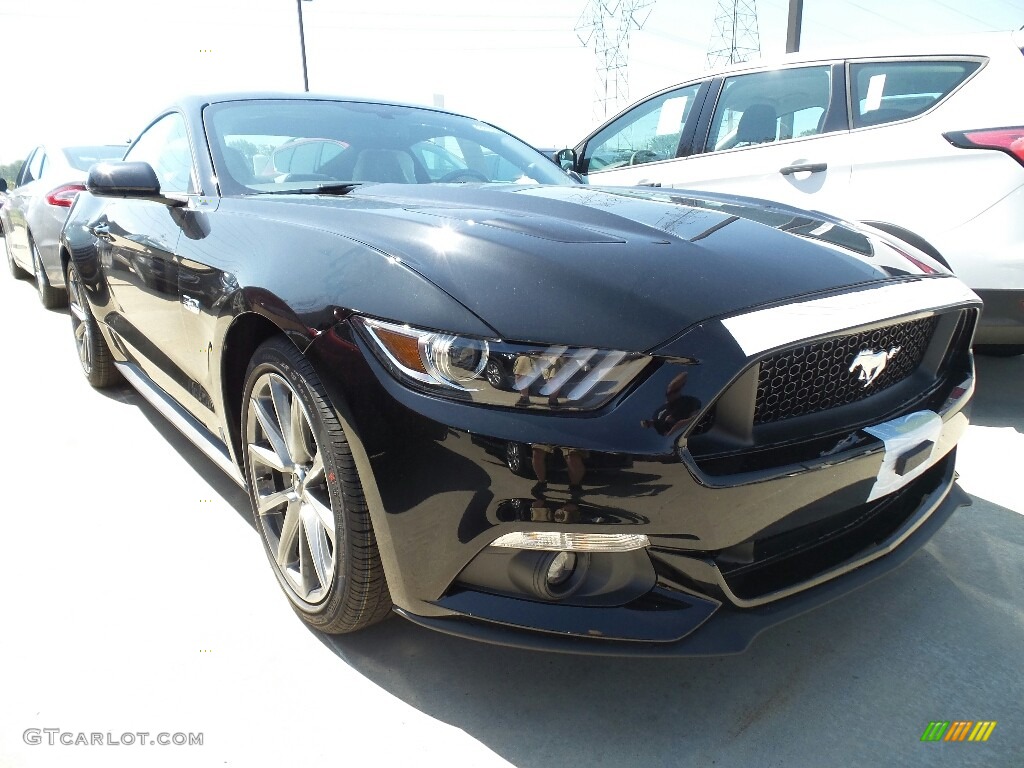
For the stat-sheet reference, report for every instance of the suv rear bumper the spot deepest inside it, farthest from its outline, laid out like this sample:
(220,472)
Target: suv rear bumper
(1002,319)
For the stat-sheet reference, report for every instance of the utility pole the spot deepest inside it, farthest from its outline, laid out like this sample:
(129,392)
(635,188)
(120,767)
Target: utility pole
(608,24)
(796,21)
(735,37)
(302,45)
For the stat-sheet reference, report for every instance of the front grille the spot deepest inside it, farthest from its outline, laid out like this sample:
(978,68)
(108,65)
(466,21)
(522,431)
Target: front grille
(817,377)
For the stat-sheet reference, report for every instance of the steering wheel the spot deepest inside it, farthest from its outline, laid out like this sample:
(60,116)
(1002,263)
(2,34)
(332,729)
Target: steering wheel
(462,174)
(642,156)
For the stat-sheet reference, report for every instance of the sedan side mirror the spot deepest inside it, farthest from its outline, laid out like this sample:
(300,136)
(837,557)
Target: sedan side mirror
(3,184)
(566,159)
(130,180)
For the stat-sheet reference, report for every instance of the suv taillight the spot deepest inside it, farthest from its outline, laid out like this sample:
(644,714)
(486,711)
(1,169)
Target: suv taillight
(1008,140)
(64,195)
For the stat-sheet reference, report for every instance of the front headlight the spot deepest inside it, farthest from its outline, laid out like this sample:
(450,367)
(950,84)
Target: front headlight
(500,373)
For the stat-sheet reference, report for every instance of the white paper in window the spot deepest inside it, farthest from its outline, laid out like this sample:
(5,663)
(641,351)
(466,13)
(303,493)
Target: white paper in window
(876,85)
(671,118)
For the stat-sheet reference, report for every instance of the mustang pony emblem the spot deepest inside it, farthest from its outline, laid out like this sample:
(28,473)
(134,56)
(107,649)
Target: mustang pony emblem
(872,364)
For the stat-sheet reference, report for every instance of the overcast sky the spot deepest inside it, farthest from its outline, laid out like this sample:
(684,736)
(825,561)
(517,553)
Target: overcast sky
(82,71)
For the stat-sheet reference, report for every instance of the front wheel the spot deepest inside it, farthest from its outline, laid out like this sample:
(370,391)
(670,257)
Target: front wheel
(306,495)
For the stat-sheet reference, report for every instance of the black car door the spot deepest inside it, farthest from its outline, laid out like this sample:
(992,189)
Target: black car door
(140,263)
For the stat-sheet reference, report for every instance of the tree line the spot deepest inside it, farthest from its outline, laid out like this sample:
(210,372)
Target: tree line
(10,171)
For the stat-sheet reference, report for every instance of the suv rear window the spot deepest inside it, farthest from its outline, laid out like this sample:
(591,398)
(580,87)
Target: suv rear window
(887,91)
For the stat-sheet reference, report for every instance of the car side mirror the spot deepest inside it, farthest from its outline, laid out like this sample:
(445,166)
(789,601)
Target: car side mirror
(129,180)
(3,184)
(566,159)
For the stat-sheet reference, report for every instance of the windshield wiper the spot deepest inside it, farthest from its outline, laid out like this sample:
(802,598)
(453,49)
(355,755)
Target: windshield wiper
(327,188)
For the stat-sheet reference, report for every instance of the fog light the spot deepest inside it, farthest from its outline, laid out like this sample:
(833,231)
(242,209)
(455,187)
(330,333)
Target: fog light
(561,568)
(557,541)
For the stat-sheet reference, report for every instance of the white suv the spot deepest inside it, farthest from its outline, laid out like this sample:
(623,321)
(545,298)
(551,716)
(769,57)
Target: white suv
(922,138)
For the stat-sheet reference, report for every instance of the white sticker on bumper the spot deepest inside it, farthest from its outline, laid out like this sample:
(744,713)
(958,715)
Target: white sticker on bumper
(910,449)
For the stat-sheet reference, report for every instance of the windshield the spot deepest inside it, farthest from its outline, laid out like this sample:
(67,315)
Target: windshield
(282,145)
(82,158)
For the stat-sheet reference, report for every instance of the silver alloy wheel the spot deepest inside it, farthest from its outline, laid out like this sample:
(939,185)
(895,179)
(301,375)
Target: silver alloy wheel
(514,457)
(493,374)
(79,319)
(288,479)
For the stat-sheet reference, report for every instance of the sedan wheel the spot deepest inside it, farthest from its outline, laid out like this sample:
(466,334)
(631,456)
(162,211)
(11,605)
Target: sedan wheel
(16,272)
(93,352)
(51,297)
(517,459)
(306,495)
(493,374)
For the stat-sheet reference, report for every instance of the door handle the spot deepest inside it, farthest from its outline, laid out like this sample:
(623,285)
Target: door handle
(804,168)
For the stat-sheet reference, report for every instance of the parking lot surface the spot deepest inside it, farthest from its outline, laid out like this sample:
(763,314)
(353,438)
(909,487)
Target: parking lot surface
(136,600)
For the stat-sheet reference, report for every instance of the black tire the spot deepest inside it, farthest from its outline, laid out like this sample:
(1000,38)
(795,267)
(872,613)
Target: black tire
(519,459)
(49,297)
(493,374)
(16,272)
(999,350)
(306,481)
(93,352)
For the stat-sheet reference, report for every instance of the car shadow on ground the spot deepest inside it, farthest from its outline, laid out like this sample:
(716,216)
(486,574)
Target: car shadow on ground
(869,670)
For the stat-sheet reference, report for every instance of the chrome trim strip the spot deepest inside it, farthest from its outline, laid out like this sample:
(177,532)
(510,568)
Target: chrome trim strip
(184,422)
(765,329)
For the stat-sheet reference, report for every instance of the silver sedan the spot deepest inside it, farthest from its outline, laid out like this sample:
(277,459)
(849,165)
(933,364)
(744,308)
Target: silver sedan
(35,210)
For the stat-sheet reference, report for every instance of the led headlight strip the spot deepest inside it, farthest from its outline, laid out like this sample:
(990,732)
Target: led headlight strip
(501,373)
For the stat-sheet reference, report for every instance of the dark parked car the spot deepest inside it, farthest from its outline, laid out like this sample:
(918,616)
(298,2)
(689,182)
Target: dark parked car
(772,397)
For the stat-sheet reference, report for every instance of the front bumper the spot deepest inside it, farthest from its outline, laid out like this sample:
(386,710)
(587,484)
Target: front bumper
(735,547)
(672,617)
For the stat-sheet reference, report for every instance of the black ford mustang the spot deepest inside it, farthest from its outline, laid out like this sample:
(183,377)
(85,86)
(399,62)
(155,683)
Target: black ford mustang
(731,410)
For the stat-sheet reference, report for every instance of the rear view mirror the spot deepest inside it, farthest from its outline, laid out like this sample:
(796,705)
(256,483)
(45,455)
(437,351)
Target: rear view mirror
(131,180)
(566,159)
(3,184)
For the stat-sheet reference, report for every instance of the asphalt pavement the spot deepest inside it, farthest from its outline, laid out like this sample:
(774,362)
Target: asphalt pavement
(137,600)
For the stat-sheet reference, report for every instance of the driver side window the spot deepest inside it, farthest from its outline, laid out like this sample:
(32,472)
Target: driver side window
(165,146)
(646,134)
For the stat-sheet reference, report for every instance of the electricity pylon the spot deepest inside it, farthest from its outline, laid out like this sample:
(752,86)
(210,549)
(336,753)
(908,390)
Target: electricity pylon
(734,37)
(607,25)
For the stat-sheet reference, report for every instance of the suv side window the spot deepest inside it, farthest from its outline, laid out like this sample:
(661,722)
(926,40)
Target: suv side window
(887,91)
(763,107)
(649,132)
(165,146)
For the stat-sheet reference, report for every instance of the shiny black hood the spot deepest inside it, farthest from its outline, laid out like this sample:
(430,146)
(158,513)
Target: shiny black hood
(620,268)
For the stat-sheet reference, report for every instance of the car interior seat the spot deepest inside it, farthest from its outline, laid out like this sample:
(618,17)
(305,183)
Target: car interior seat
(238,167)
(758,124)
(384,165)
